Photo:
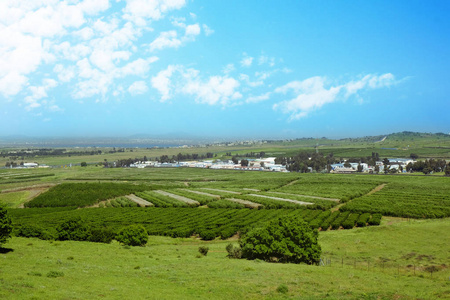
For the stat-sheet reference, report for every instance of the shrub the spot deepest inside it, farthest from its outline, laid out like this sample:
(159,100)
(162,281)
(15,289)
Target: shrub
(5,225)
(207,235)
(286,239)
(74,229)
(33,231)
(133,235)
(54,274)
(101,235)
(233,252)
(203,250)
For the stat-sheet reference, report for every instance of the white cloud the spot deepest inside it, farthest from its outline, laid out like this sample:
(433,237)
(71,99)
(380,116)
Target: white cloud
(192,30)
(263,59)
(229,68)
(212,90)
(166,39)
(38,93)
(246,61)
(312,94)
(246,79)
(162,82)
(215,90)
(12,83)
(142,11)
(208,31)
(256,99)
(370,81)
(138,88)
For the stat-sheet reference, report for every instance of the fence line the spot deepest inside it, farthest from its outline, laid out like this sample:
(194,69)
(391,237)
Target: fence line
(434,272)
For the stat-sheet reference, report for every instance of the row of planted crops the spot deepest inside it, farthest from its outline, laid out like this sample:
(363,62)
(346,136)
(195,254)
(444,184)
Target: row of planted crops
(179,222)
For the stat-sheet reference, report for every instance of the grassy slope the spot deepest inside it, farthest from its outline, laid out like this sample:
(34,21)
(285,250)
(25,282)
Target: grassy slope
(168,268)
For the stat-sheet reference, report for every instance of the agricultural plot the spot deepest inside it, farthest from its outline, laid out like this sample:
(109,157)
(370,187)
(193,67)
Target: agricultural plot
(82,194)
(178,197)
(332,186)
(323,203)
(176,222)
(160,200)
(413,197)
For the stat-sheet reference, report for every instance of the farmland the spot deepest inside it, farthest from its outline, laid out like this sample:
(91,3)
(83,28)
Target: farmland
(385,228)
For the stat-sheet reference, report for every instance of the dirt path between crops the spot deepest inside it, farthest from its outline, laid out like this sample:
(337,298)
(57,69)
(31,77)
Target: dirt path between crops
(307,196)
(202,193)
(246,203)
(282,199)
(223,191)
(141,202)
(177,197)
(29,188)
(374,190)
(291,183)
(378,188)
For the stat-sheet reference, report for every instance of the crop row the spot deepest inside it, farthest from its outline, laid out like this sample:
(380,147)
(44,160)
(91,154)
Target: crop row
(82,194)
(180,222)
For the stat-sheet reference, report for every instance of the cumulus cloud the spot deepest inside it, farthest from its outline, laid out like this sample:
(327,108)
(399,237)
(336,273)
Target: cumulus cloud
(142,11)
(313,93)
(79,45)
(38,93)
(171,39)
(256,99)
(162,82)
(246,61)
(212,90)
(137,88)
(208,31)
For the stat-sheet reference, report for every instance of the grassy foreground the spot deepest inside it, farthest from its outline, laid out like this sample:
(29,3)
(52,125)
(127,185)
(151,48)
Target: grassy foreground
(169,268)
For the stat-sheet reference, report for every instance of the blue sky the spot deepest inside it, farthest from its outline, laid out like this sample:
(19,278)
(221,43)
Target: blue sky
(238,69)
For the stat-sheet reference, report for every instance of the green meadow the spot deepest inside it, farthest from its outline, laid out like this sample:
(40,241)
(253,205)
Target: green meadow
(168,268)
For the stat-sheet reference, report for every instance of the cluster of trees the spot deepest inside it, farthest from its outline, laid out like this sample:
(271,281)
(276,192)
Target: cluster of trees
(21,154)
(76,229)
(184,157)
(428,166)
(303,160)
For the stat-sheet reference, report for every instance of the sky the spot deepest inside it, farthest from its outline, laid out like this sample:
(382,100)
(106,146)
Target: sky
(232,69)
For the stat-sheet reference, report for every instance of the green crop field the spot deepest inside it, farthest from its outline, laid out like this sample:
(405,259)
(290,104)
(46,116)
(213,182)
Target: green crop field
(388,229)
(394,256)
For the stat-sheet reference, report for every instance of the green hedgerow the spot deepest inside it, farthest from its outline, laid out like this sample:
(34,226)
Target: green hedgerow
(133,235)
(5,225)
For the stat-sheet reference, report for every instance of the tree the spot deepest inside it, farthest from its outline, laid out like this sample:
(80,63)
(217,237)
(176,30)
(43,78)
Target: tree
(360,168)
(414,156)
(133,235)
(286,239)
(74,229)
(5,225)
(244,162)
(83,164)
(347,164)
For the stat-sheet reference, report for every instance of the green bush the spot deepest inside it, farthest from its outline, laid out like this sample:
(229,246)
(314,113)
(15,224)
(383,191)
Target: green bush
(101,235)
(74,229)
(207,235)
(133,235)
(286,239)
(233,252)
(34,231)
(203,250)
(5,225)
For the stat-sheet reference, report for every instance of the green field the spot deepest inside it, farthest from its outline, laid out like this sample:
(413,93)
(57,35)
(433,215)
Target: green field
(169,268)
(403,258)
